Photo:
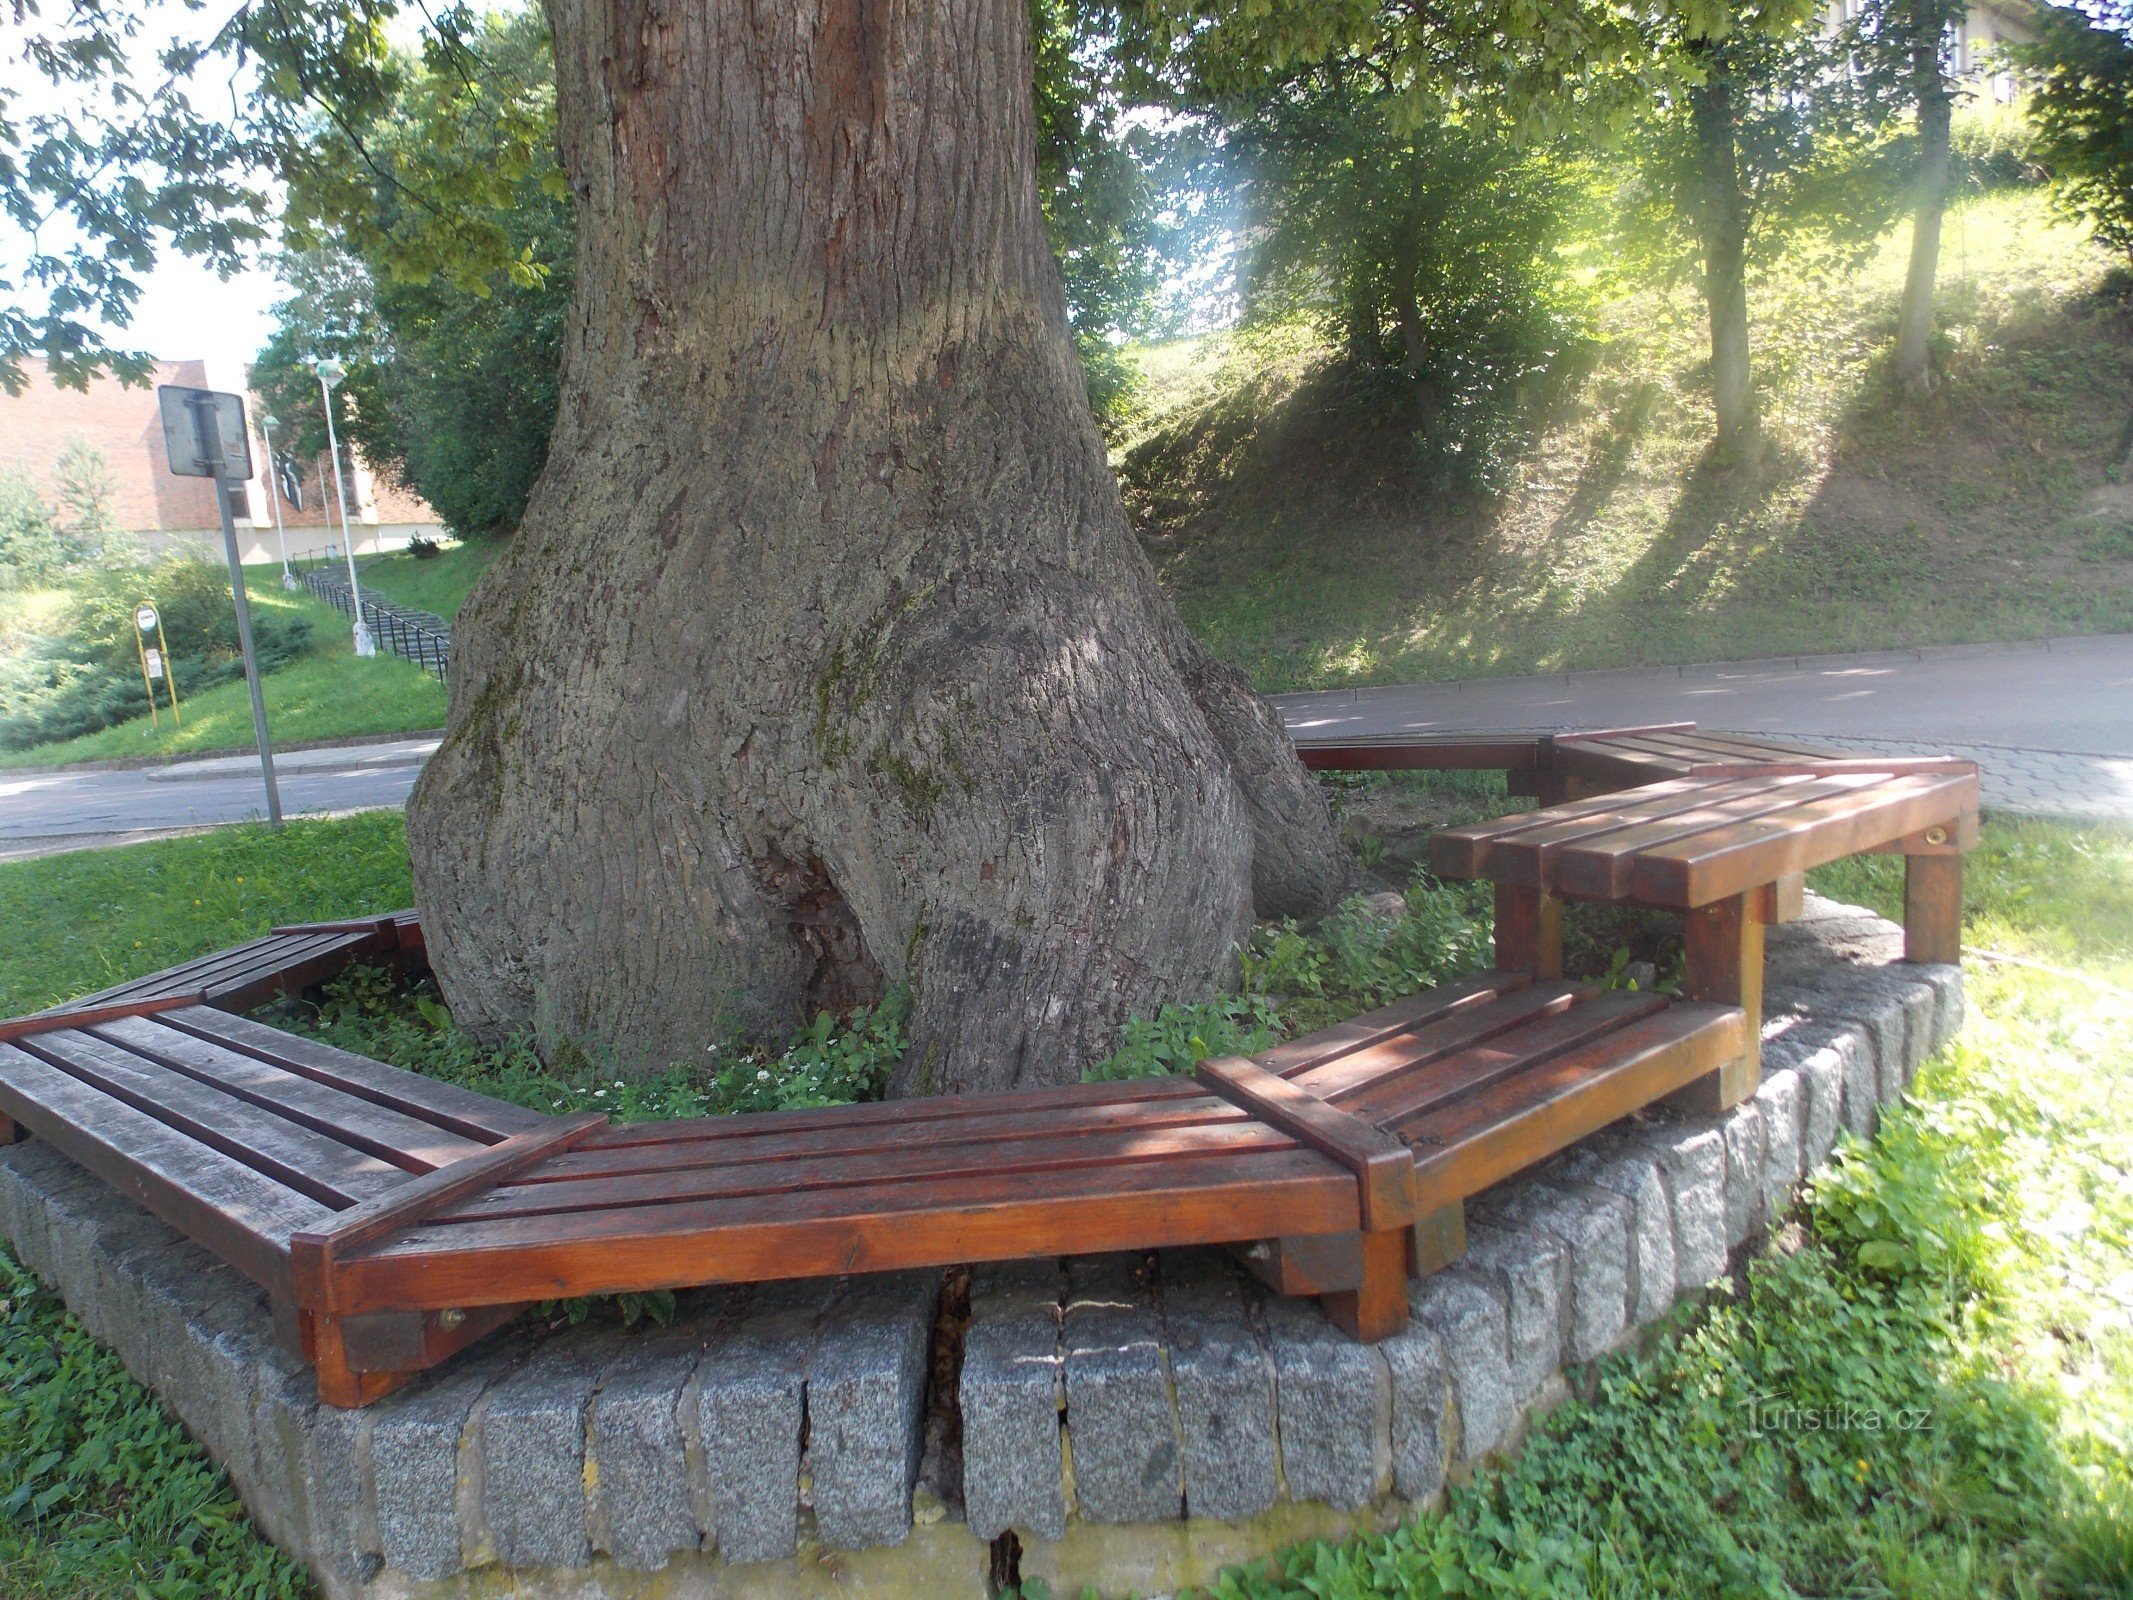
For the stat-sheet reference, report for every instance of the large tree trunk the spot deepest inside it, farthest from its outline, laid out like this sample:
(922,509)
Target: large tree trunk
(1914,324)
(1722,221)
(824,657)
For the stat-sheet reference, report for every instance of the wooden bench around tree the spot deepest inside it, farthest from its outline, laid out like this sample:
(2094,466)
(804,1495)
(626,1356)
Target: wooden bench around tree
(1728,846)
(392,1219)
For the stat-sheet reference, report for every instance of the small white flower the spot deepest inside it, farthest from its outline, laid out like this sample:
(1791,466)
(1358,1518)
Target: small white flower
(599,1094)
(762,1075)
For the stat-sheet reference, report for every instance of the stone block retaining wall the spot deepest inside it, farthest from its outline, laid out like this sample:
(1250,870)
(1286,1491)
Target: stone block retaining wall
(1133,1422)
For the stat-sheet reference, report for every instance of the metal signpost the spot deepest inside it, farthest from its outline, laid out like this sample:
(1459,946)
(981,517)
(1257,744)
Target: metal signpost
(205,436)
(155,661)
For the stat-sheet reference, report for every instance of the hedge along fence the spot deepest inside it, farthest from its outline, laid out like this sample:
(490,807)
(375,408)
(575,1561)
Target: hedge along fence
(80,672)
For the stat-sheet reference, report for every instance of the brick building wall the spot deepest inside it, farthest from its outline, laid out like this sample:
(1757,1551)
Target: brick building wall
(162,509)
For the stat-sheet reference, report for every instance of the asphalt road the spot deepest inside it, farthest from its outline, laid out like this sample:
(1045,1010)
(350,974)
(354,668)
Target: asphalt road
(2051,725)
(43,810)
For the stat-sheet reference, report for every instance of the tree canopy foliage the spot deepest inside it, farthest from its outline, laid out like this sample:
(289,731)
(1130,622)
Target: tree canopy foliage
(2080,69)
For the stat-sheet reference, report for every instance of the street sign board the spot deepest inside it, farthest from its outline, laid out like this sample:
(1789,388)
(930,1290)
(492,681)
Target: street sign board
(154,659)
(204,433)
(144,617)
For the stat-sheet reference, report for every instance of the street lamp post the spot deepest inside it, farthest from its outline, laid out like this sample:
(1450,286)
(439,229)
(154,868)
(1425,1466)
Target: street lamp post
(331,372)
(267,425)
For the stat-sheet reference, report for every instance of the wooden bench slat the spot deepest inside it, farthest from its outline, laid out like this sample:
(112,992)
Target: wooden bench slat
(601,1156)
(1455,1077)
(914,1116)
(1697,871)
(1384,1171)
(1485,1138)
(1402,1016)
(1360,1069)
(1468,851)
(294,1156)
(408,1142)
(240,1214)
(462,1111)
(1421,752)
(1531,858)
(984,1217)
(541,1191)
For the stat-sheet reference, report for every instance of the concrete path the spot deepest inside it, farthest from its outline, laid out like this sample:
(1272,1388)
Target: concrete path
(2050,725)
(42,811)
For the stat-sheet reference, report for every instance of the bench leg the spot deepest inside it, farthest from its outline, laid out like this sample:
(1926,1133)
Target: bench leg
(1436,1240)
(11,1131)
(1933,908)
(1529,931)
(339,1384)
(1724,965)
(1378,1309)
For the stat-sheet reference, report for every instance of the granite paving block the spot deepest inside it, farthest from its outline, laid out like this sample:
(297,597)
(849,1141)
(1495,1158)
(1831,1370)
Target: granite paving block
(1224,1380)
(644,1504)
(529,1429)
(1778,1099)
(1424,1421)
(1121,1423)
(1691,1158)
(1010,1395)
(751,1403)
(1592,1229)
(1333,1405)
(1530,1270)
(1742,1129)
(866,1406)
(1609,1163)
(416,1442)
(1467,1314)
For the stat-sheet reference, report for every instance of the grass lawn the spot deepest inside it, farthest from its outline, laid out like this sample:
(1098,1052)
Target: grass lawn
(1972,1265)
(438,585)
(1296,547)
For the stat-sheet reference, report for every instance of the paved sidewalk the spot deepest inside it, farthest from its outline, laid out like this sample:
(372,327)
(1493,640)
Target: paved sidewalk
(2050,724)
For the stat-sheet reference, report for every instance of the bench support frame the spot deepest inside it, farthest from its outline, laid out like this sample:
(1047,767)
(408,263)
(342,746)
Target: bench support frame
(1723,963)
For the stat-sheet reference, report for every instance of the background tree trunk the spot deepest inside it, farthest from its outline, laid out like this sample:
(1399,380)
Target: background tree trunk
(824,657)
(1722,220)
(1914,324)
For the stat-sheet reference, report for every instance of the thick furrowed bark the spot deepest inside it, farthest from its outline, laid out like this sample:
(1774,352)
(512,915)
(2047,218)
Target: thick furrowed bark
(824,658)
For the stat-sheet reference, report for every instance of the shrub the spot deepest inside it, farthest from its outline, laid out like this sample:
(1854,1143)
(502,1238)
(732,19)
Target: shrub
(85,673)
(1995,145)
(2080,70)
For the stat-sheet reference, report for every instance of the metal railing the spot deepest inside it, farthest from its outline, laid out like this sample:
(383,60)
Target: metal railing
(417,636)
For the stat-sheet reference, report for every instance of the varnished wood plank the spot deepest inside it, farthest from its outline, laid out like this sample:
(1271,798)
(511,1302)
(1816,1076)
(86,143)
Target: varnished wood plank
(1603,866)
(1403,1016)
(407,1142)
(1933,908)
(241,1215)
(1695,871)
(538,1191)
(1434,1041)
(1468,851)
(316,1252)
(990,1217)
(1305,1264)
(989,1138)
(912,1116)
(83,1016)
(462,1111)
(299,1158)
(1463,1148)
(1384,1172)
(1529,855)
(1402,1095)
